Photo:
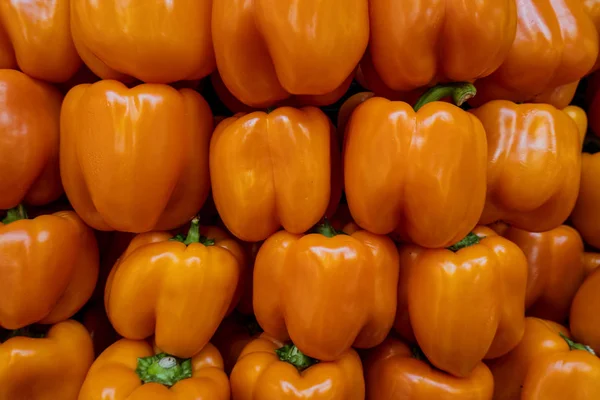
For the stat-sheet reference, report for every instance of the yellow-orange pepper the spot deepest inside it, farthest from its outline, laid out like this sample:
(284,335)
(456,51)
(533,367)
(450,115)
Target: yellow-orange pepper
(586,214)
(583,318)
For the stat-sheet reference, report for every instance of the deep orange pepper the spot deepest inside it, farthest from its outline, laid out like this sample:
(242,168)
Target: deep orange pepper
(347,109)
(581,120)
(49,267)
(234,333)
(46,367)
(393,371)
(559,97)
(35,37)
(133,370)
(583,318)
(267,50)
(29,140)
(178,290)
(136,159)
(402,173)
(267,369)
(276,169)
(159,42)
(534,159)
(326,291)
(592,7)
(586,214)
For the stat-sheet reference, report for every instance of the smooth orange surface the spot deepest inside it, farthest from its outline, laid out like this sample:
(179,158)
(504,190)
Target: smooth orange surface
(49,267)
(135,159)
(176,292)
(35,37)
(559,97)
(260,375)
(113,377)
(29,140)
(586,214)
(391,372)
(273,170)
(269,49)
(556,269)
(418,43)
(556,44)
(346,110)
(50,368)
(326,294)
(581,120)
(591,262)
(156,42)
(534,159)
(592,7)
(584,319)
(419,174)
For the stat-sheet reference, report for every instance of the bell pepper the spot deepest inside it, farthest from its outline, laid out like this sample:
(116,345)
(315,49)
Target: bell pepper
(592,7)
(395,371)
(583,318)
(534,159)
(559,97)
(197,276)
(586,214)
(402,173)
(267,50)
(326,291)
(415,43)
(267,369)
(347,108)
(35,37)
(581,120)
(29,140)
(135,160)
(556,44)
(156,42)
(36,364)
(234,333)
(134,370)
(49,267)
(260,174)
(96,321)
(546,364)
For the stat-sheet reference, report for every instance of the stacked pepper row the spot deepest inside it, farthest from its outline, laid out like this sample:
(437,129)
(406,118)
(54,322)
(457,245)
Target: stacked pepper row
(168,237)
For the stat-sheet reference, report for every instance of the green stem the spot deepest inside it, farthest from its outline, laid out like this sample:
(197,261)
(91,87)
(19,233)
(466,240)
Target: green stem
(291,354)
(576,346)
(15,214)
(164,369)
(194,236)
(418,353)
(30,331)
(460,92)
(327,230)
(469,240)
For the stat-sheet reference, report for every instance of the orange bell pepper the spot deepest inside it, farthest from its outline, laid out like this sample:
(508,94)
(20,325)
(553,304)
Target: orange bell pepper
(559,97)
(420,43)
(198,276)
(134,370)
(35,37)
(586,214)
(592,7)
(347,109)
(136,159)
(260,174)
(234,333)
(49,267)
(156,42)
(326,291)
(546,365)
(581,120)
(38,365)
(29,140)
(583,319)
(402,173)
(395,371)
(534,159)
(267,369)
(556,44)
(267,50)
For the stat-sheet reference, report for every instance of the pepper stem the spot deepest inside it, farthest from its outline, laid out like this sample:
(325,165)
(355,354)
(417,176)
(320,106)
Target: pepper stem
(290,354)
(164,369)
(327,230)
(15,214)
(194,236)
(30,331)
(469,240)
(460,92)
(576,346)
(418,354)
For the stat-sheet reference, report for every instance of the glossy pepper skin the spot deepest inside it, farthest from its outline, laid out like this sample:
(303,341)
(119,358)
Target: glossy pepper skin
(49,266)
(47,368)
(198,276)
(586,214)
(534,159)
(556,44)
(545,366)
(273,170)
(592,7)
(118,373)
(267,50)
(420,43)
(156,42)
(29,140)
(35,37)
(581,120)
(135,160)
(326,291)
(392,371)
(583,318)
(402,173)
(260,374)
